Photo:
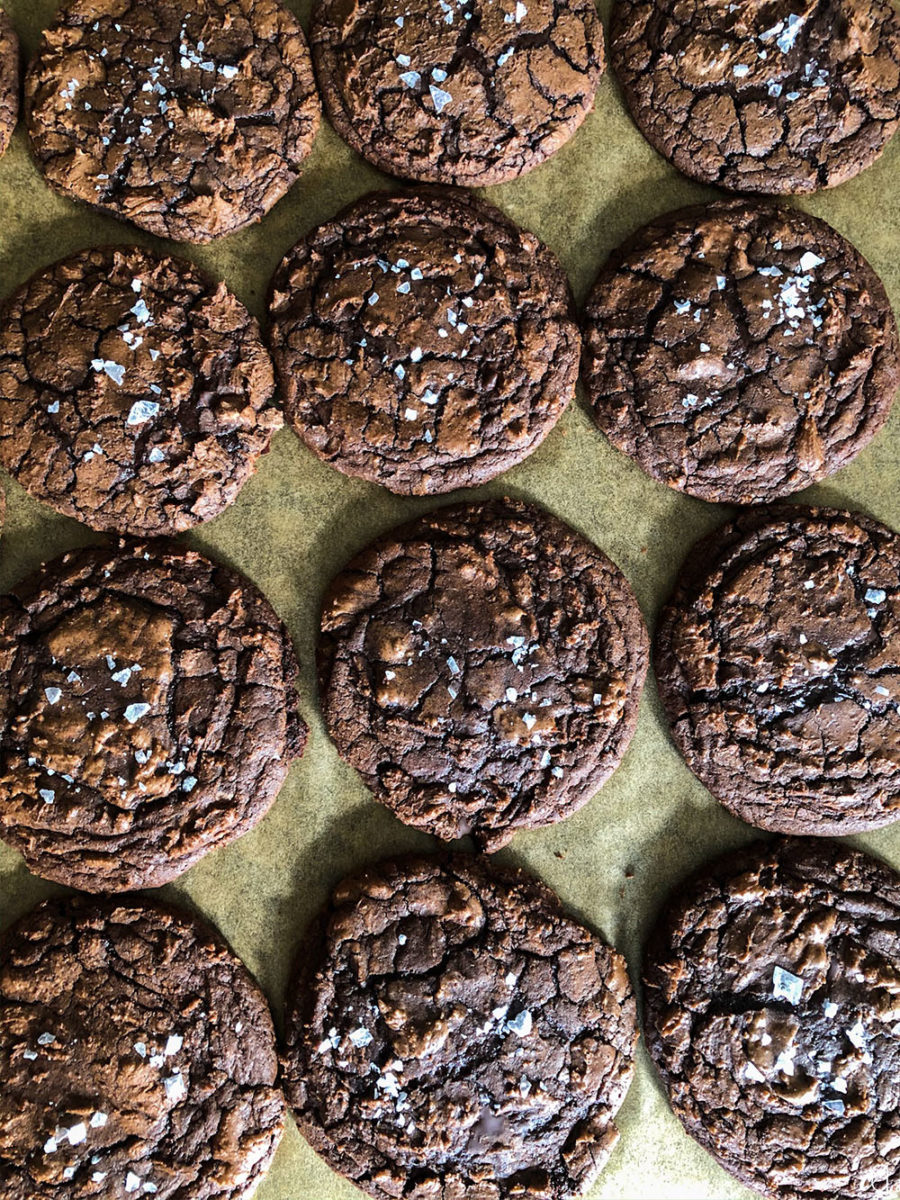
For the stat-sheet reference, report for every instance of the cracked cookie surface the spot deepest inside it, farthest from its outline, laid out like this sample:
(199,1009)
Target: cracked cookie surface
(135,394)
(482,668)
(765,96)
(423,342)
(471,92)
(740,351)
(137,1057)
(149,714)
(778,662)
(771,1010)
(452,1033)
(190,125)
(9,80)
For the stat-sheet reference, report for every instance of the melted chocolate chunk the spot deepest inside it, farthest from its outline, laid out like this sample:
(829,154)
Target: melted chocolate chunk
(453,1033)
(740,351)
(772,1017)
(451,92)
(778,660)
(148,705)
(135,394)
(137,1058)
(482,667)
(423,342)
(767,96)
(190,122)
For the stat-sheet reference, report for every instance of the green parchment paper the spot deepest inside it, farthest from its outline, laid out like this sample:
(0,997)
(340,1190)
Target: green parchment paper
(298,521)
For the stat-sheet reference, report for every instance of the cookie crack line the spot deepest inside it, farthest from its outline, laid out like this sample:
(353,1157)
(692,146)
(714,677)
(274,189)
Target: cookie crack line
(9,81)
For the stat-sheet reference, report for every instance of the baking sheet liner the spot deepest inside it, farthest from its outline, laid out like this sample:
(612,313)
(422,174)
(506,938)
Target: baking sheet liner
(297,522)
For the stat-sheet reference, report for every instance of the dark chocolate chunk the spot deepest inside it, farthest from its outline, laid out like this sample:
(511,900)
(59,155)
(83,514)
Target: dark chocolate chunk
(452,1033)
(423,342)
(482,667)
(148,710)
(778,660)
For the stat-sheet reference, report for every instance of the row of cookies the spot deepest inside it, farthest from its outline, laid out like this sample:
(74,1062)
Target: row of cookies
(193,124)
(737,351)
(481,667)
(450,1031)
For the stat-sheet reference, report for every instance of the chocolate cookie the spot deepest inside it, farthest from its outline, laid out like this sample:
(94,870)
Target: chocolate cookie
(469,93)
(740,351)
(778,660)
(148,708)
(9,80)
(762,97)
(189,121)
(135,394)
(482,667)
(771,1015)
(423,342)
(137,1058)
(452,1033)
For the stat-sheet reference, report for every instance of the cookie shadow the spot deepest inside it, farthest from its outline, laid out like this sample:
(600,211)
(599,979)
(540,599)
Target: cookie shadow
(356,838)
